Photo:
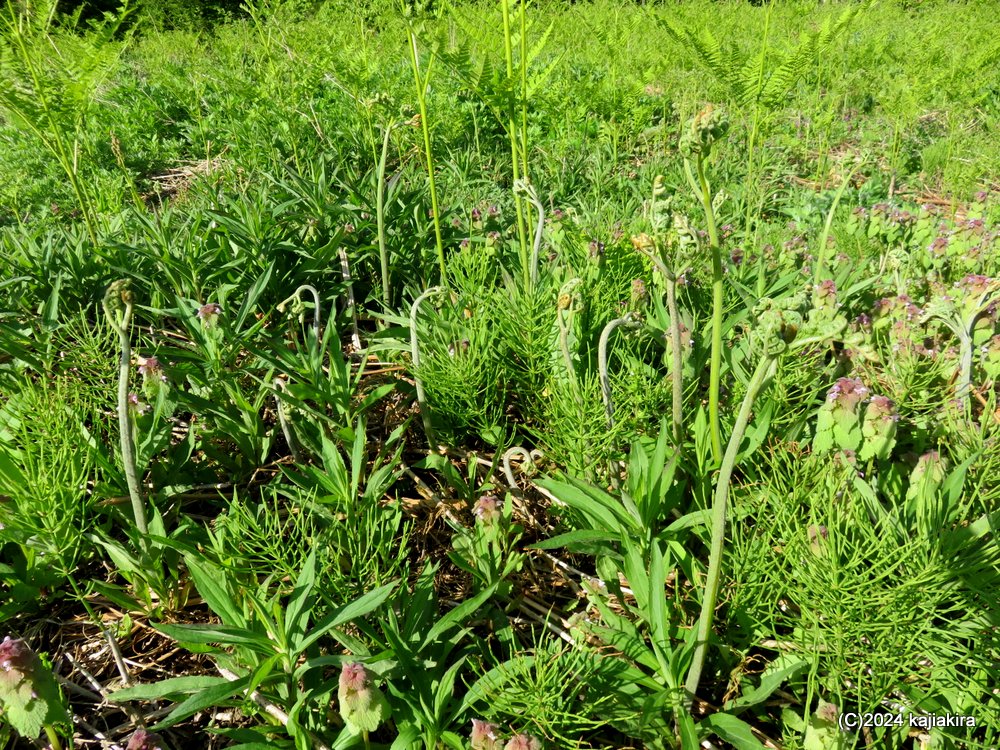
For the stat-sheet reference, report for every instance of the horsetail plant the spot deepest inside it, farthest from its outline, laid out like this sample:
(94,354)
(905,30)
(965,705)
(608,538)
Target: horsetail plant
(118,310)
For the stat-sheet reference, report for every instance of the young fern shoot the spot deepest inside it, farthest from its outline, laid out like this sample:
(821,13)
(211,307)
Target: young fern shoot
(118,309)
(702,132)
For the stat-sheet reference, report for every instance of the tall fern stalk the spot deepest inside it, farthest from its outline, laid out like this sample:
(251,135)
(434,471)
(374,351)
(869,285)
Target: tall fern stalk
(763,373)
(118,309)
(513,135)
(420,83)
(702,132)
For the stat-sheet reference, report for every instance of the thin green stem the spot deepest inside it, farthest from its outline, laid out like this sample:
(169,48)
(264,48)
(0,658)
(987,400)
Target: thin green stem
(512,134)
(523,64)
(715,366)
(677,376)
(828,225)
(50,732)
(425,415)
(420,83)
(383,251)
(760,378)
(121,323)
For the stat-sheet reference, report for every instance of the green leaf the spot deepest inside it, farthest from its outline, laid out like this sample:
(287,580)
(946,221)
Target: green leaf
(298,610)
(174,686)
(222,634)
(782,669)
(208,580)
(602,510)
(212,696)
(358,608)
(734,731)
(571,538)
(459,614)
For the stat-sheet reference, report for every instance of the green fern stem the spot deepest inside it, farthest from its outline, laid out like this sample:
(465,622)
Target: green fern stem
(383,251)
(420,84)
(715,366)
(761,376)
(524,107)
(425,415)
(512,134)
(629,320)
(118,308)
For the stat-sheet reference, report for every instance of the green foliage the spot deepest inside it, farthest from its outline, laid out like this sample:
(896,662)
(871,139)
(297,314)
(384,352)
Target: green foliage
(749,365)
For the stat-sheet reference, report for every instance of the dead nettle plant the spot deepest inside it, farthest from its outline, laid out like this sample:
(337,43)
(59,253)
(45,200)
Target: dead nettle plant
(50,76)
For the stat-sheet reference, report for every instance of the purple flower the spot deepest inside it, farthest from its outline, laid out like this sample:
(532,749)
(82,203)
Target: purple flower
(143,740)
(349,228)
(487,510)
(523,742)
(939,245)
(135,405)
(493,211)
(354,677)
(209,314)
(825,295)
(882,409)
(596,248)
(484,735)
(477,215)
(16,656)
(464,244)
(151,368)
(848,393)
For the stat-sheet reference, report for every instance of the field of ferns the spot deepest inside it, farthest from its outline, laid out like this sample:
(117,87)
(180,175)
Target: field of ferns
(500,375)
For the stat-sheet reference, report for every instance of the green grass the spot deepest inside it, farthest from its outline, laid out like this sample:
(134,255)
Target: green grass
(790,514)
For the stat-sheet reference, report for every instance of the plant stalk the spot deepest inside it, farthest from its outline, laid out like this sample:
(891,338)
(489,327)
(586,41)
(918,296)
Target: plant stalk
(715,366)
(425,415)
(383,250)
(629,320)
(420,83)
(512,134)
(761,376)
(124,419)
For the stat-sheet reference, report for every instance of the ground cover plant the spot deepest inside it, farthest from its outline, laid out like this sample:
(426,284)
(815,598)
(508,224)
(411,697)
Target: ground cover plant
(500,375)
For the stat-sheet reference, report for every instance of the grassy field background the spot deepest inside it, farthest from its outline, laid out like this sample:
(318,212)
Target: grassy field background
(587,374)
